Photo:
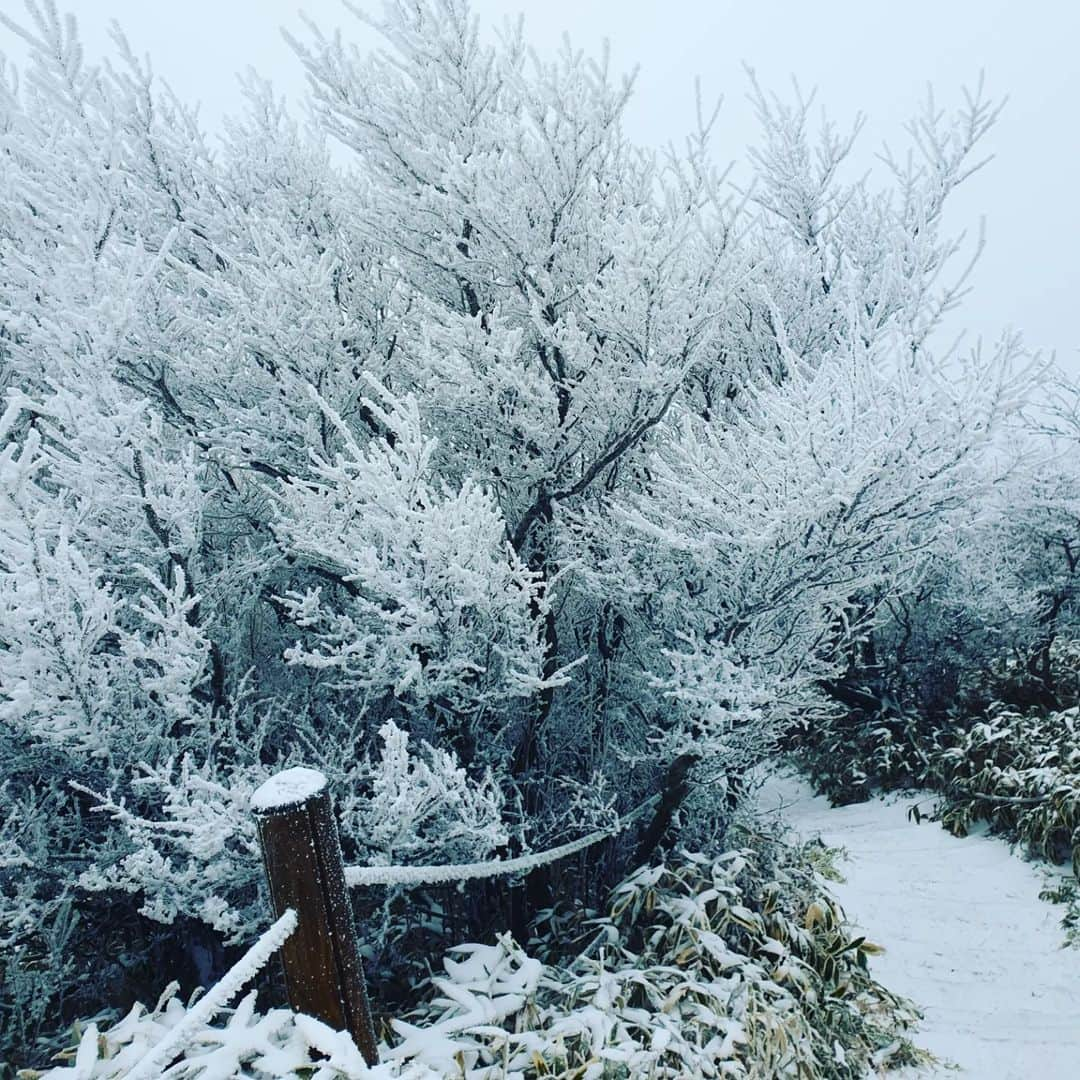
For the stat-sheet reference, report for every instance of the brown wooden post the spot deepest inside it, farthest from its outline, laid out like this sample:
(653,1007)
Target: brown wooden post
(302,856)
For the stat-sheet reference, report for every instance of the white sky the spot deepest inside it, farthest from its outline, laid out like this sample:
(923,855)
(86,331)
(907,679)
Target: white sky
(874,56)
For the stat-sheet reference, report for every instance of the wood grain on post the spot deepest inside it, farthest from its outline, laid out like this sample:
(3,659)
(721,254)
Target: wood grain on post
(302,855)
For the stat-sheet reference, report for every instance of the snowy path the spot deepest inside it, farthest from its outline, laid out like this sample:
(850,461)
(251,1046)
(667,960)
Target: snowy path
(967,937)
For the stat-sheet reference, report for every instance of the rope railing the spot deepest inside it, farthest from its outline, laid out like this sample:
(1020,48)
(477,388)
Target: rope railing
(453,872)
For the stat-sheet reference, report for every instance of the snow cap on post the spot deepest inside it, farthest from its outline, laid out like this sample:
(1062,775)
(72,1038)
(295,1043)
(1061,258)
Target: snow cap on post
(287,789)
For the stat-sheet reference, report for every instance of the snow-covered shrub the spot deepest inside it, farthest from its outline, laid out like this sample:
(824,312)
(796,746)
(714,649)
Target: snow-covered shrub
(722,966)
(276,1044)
(1021,773)
(198,856)
(423,808)
(849,757)
(1066,891)
(182,1041)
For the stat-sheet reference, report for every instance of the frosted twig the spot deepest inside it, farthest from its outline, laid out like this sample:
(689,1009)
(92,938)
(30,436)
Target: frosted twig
(241,973)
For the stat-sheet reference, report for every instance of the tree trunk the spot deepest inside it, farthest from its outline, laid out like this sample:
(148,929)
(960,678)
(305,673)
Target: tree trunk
(676,788)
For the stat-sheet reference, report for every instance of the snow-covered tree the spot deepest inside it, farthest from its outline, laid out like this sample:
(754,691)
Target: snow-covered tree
(996,617)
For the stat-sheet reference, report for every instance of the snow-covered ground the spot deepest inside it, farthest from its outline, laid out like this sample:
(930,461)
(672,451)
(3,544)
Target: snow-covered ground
(967,937)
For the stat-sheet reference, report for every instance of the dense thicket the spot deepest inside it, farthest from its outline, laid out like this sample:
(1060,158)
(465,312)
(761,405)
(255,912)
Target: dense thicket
(507,472)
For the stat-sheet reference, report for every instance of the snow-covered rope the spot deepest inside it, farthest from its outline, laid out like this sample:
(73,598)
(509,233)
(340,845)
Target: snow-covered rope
(453,872)
(243,971)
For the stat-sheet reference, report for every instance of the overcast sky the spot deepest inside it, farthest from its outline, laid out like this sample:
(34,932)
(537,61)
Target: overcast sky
(877,57)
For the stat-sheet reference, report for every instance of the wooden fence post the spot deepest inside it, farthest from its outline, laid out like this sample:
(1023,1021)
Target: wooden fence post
(302,855)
